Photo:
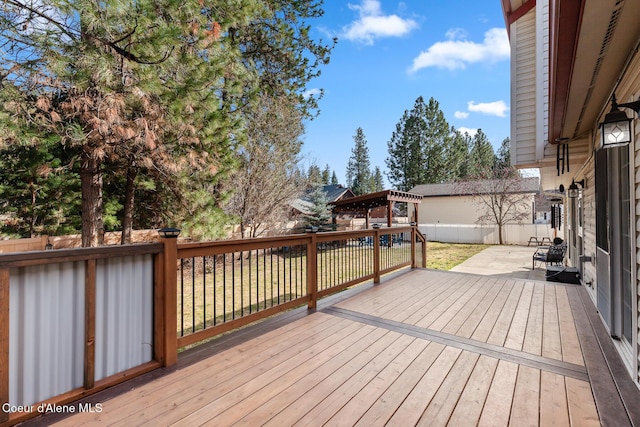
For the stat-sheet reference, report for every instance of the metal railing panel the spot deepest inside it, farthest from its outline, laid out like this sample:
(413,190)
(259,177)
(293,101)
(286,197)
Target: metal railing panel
(46,335)
(124,314)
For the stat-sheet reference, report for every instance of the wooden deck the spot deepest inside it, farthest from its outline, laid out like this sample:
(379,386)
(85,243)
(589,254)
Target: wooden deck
(425,348)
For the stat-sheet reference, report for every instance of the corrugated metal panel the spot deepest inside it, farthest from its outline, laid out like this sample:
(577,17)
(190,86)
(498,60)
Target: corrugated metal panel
(124,314)
(46,331)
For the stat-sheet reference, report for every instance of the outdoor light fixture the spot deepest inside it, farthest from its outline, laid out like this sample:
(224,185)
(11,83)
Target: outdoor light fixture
(574,190)
(48,246)
(169,232)
(615,130)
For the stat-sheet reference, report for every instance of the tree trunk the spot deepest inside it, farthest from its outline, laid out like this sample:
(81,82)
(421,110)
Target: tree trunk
(92,208)
(127,220)
(500,233)
(32,219)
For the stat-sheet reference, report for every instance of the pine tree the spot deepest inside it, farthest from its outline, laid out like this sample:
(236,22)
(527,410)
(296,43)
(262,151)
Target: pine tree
(320,213)
(40,192)
(334,178)
(418,145)
(154,94)
(326,175)
(377,180)
(458,155)
(314,176)
(503,156)
(481,157)
(358,169)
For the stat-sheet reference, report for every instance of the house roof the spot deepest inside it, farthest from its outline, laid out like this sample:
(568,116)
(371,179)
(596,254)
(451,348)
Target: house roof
(528,185)
(337,192)
(333,193)
(373,200)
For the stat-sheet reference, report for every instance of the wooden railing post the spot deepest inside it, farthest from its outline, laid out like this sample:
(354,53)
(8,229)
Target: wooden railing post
(170,290)
(376,256)
(4,343)
(414,236)
(312,272)
(89,323)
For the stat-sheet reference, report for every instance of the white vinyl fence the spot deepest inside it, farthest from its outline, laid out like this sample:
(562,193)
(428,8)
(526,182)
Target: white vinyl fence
(512,234)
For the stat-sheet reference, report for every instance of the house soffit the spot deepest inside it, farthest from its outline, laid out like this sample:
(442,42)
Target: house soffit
(608,32)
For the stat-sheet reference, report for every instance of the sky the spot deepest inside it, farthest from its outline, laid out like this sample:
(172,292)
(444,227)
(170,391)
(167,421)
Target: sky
(391,52)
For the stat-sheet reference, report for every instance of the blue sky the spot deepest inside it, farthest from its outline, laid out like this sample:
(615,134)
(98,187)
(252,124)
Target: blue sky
(391,52)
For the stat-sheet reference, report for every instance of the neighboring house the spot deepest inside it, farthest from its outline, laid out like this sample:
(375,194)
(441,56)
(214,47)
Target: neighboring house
(449,204)
(333,193)
(542,209)
(569,59)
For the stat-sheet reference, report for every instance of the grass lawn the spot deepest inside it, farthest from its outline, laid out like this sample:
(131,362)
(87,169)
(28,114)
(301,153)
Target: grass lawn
(445,256)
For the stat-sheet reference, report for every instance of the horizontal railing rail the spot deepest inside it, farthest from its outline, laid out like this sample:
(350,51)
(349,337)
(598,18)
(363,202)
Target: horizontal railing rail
(227,284)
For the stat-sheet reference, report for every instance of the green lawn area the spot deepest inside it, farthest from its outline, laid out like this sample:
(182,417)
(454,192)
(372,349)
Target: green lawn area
(445,256)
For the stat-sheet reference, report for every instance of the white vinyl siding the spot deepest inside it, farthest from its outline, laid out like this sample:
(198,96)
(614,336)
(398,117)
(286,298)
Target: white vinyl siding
(524,90)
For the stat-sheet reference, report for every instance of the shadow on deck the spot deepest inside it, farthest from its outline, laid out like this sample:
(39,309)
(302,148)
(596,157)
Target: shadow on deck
(424,348)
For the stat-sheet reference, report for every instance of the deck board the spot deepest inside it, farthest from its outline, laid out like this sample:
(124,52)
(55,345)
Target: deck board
(497,406)
(425,348)
(551,340)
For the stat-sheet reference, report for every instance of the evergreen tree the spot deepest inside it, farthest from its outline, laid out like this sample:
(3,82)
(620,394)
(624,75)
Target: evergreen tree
(40,193)
(334,178)
(326,175)
(503,156)
(358,169)
(418,145)
(314,176)
(319,211)
(481,157)
(377,180)
(436,139)
(153,94)
(458,155)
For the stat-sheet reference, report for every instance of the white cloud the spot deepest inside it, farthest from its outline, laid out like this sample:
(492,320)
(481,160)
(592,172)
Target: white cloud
(372,23)
(497,108)
(472,132)
(460,115)
(457,51)
(312,92)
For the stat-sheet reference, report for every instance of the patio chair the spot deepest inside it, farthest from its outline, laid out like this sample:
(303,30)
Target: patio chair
(553,255)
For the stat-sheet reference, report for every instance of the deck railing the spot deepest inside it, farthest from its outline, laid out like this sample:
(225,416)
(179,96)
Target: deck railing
(225,285)
(73,322)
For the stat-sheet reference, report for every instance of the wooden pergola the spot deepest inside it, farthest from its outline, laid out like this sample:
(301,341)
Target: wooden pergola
(363,204)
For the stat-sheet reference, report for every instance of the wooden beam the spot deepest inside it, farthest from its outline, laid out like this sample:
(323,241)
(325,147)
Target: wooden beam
(312,272)
(4,342)
(159,354)
(376,256)
(170,301)
(56,256)
(512,17)
(89,323)
(564,25)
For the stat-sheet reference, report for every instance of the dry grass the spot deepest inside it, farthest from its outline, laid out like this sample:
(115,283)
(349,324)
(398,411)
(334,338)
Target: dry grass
(445,256)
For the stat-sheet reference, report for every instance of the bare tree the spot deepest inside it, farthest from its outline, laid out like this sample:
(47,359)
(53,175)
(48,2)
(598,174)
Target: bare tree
(268,176)
(500,197)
